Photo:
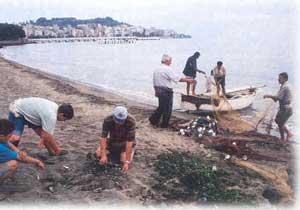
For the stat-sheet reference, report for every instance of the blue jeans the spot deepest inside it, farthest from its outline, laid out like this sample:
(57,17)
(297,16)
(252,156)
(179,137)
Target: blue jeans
(19,123)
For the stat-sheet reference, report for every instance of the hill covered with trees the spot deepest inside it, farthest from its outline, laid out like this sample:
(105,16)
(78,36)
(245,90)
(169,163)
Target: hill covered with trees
(10,32)
(108,21)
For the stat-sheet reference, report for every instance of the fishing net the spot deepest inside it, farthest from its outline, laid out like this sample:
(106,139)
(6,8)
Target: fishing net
(230,118)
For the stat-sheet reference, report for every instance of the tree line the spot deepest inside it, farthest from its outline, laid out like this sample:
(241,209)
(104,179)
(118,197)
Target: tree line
(108,21)
(11,32)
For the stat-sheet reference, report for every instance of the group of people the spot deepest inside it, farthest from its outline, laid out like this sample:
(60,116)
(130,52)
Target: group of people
(190,71)
(164,77)
(118,129)
(41,115)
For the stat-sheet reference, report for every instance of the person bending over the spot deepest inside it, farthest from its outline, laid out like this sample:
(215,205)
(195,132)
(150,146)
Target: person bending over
(41,115)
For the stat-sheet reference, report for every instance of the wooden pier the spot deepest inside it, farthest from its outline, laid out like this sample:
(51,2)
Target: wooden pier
(100,40)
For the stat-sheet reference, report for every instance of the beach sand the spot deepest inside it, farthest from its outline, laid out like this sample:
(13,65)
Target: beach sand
(74,178)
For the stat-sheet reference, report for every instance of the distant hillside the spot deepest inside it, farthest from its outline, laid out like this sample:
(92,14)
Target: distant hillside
(108,21)
(10,32)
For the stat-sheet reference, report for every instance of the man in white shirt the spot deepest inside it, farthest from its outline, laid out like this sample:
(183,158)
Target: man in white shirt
(163,80)
(219,73)
(41,115)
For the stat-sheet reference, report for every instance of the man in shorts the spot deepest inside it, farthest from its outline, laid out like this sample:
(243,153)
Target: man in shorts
(9,154)
(190,72)
(284,97)
(117,138)
(41,115)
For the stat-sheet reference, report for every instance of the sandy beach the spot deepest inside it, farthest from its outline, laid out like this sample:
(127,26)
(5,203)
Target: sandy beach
(74,178)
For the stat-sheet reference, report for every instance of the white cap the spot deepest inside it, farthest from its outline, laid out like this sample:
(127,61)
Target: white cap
(120,114)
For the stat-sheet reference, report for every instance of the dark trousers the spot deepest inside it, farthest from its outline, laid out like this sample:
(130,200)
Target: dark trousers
(165,104)
(221,81)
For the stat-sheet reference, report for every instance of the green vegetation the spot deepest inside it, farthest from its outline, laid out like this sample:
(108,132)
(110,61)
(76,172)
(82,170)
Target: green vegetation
(108,21)
(10,32)
(185,177)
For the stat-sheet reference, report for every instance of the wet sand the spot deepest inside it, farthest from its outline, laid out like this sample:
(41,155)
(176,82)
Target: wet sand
(74,178)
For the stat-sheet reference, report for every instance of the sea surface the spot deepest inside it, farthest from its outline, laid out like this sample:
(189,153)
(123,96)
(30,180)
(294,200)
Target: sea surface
(253,53)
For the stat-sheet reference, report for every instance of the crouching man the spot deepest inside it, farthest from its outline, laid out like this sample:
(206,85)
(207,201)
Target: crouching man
(41,115)
(9,154)
(117,138)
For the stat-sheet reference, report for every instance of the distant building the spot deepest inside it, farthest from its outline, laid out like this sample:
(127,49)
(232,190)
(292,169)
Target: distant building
(96,30)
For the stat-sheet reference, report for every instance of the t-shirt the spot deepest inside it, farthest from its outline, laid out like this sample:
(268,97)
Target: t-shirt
(164,76)
(38,111)
(125,132)
(6,154)
(284,96)
(219,72)
(190,68)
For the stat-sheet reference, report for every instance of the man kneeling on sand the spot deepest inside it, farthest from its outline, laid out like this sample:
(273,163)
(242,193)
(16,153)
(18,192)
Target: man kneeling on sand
(121,141)
(41,115)
(9,154)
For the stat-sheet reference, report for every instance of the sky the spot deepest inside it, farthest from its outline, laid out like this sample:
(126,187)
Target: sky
(181,15)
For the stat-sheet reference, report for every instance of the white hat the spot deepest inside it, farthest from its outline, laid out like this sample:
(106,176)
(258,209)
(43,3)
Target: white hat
(120,114)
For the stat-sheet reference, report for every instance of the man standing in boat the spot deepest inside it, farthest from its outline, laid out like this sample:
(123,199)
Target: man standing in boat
(163,79)
(219,73)
(284,97)
(190,71)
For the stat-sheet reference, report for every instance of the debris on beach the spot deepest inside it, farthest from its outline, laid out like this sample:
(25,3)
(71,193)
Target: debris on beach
(51,188)
(199,127)
(246,147)
(66,167)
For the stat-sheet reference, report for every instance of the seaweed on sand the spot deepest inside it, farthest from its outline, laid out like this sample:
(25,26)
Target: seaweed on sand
(184,176)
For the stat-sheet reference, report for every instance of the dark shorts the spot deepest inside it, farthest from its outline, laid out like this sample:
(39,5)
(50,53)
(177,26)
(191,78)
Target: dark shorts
(283,115)
(220,80)
(20,123)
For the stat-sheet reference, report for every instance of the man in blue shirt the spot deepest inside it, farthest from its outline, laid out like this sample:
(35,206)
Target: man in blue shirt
(10,154)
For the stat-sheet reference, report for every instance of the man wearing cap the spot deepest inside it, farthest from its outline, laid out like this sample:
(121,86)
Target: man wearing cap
(41,115)
(190,71)
(117,138)
(163,79)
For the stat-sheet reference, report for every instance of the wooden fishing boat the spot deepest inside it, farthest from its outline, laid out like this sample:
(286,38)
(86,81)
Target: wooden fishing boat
(235,100)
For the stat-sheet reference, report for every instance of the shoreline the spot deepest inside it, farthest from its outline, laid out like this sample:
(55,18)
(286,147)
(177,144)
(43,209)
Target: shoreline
(14,43)
(63,79)
(80,136)
(108,94)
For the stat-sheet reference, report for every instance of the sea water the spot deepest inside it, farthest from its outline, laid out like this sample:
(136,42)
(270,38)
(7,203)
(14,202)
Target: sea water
(253,53)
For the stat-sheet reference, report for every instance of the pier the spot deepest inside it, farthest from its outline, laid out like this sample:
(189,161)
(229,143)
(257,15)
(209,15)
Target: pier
(100,40)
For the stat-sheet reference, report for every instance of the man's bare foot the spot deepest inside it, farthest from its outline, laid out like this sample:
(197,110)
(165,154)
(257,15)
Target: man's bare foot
(194,94)
(289,136)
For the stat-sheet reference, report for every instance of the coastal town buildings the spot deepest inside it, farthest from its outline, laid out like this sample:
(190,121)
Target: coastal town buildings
(96,30)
